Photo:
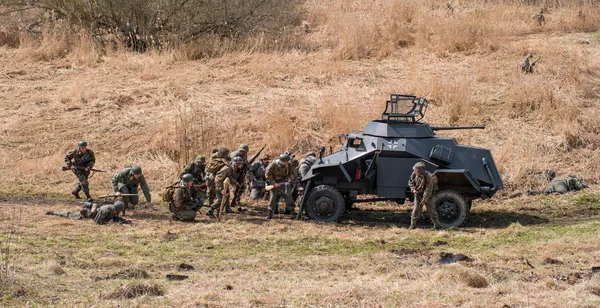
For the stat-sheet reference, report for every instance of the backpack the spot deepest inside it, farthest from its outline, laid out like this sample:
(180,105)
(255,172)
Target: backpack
(169,192)
(214,166)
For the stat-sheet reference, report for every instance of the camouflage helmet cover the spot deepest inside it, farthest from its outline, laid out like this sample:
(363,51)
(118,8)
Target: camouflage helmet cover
(266,157)
(201,159)
(244,148)
(82,143)
(222,152)
(136,170)
(187,178)
(119,206)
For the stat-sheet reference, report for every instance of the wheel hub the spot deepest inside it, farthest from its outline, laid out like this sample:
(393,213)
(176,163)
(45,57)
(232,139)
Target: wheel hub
(448,211)
(324,206)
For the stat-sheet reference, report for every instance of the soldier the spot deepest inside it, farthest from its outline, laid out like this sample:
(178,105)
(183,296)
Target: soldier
(242,152)
(101,216)
(306,163)
(186,200)
(127,182)
(561,186)
(81,160)
(280,174)
(421,184)
(220,170)
(197,170)
(109,212)
(527,64)
(256,177)
(236,180)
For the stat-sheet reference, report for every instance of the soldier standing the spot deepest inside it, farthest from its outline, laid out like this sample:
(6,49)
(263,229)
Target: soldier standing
(280,174)
(220,170)
(127,182)
(242,152)
(186,200)
(256,177)
(80,161)
(421,184)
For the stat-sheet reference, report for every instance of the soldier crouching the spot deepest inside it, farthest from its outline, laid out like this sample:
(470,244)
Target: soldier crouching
(422,183)
(186,200)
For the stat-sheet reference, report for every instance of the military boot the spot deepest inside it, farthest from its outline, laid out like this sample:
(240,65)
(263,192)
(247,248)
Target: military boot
(210,213)
(76,194)
(270,215)
(87,195)
(413,223)
(228,209)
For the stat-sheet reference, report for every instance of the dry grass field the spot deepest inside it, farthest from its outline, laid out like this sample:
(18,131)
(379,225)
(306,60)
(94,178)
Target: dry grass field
(330,76)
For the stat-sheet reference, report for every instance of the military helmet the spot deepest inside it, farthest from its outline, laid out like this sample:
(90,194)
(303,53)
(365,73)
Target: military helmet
(311,154)
(420,166)
(222,152)
(136,170)
(88,203)
(214,150)
(550,175)
(244,147)
(82,143)
(119,206)
(201,159)
(237,160)
(285,157)
(187,178)
(266,156)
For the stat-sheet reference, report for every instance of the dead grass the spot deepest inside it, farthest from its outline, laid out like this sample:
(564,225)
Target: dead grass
(136,289)
(461,274)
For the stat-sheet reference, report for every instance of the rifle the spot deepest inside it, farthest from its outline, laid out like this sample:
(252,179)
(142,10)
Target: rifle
(65,168)
(238,190)
(115,195)
(285,184)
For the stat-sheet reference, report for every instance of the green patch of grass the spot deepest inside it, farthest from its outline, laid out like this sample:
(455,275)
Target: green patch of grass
(586,199)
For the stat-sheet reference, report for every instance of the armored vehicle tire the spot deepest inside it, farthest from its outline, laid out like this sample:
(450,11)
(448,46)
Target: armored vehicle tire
(452,208)
(325,204)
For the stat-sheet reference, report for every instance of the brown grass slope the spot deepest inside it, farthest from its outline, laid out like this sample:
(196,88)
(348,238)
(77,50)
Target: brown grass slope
(159,111)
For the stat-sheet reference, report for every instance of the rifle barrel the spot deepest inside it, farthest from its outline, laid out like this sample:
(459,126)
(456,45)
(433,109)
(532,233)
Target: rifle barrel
(457,127)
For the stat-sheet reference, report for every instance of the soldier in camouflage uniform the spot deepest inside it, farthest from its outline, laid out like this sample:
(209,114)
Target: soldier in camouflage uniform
(127,182)
(219,170)
(186,200)
(256,177)
(242,152)
(81,160)
(561,186)
(209,179)
(422,183)
(198,171)
(281,175)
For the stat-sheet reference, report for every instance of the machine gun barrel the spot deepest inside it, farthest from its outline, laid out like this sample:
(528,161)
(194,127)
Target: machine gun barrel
(456,127)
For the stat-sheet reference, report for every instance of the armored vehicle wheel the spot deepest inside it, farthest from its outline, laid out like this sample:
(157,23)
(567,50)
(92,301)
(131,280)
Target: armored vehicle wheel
(452,208)
(325,204)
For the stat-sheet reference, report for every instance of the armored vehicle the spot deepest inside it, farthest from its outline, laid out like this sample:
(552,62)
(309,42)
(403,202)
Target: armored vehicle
(378,162)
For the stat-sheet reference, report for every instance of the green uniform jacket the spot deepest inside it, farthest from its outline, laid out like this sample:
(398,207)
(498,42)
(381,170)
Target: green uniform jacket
(126,178)
(105,214)
(195,170)
(80,159)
